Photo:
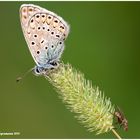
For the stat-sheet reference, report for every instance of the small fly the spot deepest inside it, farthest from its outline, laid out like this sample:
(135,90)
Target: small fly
(122,121)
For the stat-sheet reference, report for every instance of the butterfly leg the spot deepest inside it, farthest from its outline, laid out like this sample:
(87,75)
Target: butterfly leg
(52,65)
(49,66)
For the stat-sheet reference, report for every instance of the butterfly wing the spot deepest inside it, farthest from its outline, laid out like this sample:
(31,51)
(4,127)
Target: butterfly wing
(44,33)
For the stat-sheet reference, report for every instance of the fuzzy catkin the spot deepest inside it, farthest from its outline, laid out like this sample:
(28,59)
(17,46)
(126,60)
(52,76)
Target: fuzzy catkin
(89,104)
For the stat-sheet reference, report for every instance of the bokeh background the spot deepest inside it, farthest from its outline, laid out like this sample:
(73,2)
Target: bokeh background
(104,44)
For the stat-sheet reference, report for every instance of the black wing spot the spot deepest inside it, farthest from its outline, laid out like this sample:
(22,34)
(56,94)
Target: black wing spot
(37,16)
(33,43)
(61,27)
(38,52)
(35,35)
(32,20)
(56,21)
(42,41)
(58,36)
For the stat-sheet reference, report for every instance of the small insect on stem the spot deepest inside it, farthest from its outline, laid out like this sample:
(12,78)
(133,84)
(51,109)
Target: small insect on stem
(122,121)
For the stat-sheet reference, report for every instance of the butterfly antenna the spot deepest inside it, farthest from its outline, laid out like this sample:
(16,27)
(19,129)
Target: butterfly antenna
(25,74)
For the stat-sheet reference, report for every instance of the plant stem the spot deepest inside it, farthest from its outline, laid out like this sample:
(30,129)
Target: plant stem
(116,134)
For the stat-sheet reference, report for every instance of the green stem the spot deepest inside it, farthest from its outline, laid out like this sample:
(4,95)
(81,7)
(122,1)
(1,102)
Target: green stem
(116,134)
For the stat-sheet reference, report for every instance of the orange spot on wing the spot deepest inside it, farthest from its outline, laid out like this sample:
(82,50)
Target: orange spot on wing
(28,32)
(30,9)
(25,17)
(24,10)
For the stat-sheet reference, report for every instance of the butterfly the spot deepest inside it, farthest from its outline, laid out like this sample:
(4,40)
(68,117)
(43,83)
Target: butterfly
(45,33)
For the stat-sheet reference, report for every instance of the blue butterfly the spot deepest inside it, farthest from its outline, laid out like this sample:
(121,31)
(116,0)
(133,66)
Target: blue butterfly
(44,32)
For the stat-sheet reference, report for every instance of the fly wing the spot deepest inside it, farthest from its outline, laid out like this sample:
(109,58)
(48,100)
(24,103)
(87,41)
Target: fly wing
(120,111)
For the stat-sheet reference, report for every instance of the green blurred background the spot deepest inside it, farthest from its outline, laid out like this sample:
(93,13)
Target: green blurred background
(104,44)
